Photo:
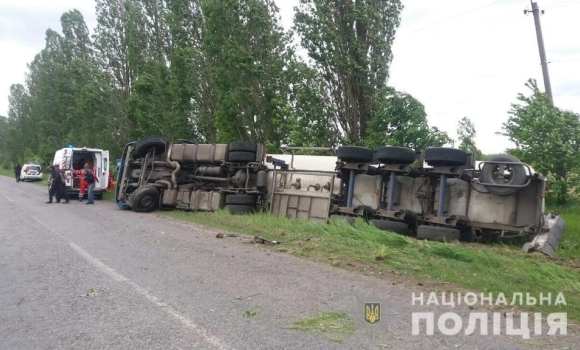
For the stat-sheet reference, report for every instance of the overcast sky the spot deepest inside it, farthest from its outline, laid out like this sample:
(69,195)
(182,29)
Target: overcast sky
(459,58)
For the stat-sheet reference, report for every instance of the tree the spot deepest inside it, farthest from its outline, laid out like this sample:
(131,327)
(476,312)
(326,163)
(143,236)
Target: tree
(466,137)
(547,138)
(248,53)
(401,120)
(350,45)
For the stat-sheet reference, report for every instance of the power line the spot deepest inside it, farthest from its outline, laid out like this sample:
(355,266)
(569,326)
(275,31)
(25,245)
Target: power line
(454,17)
(565,5)
(566,60)
(557,3)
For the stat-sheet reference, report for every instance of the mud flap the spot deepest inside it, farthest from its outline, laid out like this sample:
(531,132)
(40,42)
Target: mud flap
(549,238)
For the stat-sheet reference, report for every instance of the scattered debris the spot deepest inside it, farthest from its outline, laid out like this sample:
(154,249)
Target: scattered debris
(93,292)
(262,240)
(248,297)
(223,235)
(249,313)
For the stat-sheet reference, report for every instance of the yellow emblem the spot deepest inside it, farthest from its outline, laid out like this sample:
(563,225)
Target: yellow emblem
(372,313)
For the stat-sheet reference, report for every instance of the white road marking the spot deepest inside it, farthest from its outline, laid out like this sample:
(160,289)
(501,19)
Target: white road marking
(112,273)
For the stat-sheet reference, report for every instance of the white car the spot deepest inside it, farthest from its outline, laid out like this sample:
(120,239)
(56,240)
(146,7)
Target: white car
(31,172)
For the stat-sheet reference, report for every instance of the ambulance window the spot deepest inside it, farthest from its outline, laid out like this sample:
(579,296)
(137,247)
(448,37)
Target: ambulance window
(105,164)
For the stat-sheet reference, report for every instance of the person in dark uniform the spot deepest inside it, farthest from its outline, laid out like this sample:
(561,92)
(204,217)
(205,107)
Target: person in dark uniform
(54,182)
(17,170)
(62,189)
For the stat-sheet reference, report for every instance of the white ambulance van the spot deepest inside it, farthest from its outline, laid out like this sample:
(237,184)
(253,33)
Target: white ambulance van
(72,160)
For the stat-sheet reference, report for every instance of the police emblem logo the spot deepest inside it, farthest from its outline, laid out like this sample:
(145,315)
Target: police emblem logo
(372,313)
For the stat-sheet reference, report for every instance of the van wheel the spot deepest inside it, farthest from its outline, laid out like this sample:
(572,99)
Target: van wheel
(514,174)
(144,199)
(144,145)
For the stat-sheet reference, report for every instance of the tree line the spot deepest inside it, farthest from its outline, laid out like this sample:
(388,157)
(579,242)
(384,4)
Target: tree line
(215,71)
(218,71)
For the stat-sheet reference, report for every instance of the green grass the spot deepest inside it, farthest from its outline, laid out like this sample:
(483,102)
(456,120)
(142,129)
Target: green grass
(364,248)
(331,324)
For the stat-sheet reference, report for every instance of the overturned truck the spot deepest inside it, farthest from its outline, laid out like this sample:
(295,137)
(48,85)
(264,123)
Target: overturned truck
(154,174)
(440,194)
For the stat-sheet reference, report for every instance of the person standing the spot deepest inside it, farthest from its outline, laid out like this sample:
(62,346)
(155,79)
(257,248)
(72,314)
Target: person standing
(83,184)
(90,178)
(55,184)
(17,170)
(62,188)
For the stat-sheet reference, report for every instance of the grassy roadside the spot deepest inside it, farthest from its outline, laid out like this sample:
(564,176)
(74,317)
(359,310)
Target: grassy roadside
(362,247)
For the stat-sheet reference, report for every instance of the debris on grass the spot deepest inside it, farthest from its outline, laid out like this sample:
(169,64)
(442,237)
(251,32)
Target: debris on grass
(262,240)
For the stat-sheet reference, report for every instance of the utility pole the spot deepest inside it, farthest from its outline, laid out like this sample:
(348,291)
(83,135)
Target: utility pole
(547,84)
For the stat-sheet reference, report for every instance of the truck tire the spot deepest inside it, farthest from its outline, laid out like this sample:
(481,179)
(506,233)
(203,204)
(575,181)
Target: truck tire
(517,175)
(144,145)
(241,199)
(467,234)
(437,233)
(145,199)
(354,154)
(241,157)
(393,226)
(235,209)
(395,155)
(243,147)
(443,156)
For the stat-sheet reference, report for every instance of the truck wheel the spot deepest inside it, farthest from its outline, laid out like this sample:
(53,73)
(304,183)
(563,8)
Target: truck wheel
(443,156)
(395,155)
(467,234)
(240,209)
(243,147)
(241,199)
(144,145)
(241,157)
(437,233)
(144,199)
(489,236)
(393,226)
(514,174)
(354,154)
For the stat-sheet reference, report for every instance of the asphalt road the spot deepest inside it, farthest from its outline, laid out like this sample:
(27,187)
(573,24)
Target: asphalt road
(82,276)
